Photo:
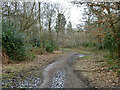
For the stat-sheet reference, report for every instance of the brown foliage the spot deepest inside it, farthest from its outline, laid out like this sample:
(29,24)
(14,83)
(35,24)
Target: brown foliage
(5,58)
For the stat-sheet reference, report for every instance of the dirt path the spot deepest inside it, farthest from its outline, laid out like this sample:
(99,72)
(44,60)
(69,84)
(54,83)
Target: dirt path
(60,74)
(27,74)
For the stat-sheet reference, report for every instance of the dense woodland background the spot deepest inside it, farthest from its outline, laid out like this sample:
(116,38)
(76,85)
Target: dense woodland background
(36,27)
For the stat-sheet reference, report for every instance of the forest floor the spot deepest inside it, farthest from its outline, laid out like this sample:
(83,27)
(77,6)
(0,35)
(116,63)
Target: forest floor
(16,74)
(59,70)
(96,69)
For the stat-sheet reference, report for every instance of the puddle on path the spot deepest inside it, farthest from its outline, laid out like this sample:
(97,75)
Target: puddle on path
(22,81)
(32,80)
(59,79)
(70,61)
(80,55)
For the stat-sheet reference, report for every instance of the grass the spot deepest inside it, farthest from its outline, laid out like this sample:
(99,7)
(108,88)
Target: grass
(8,75)
(86,57)
(80,50)
(67,49)
(85,52)
(17,67)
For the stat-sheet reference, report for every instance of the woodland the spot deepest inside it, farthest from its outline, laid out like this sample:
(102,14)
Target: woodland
(36,28)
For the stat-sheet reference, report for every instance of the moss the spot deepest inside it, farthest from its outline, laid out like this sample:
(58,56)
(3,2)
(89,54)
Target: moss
(86,57)
(7,75)
(67,49)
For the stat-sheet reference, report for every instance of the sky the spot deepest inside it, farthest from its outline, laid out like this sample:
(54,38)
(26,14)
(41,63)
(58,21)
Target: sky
(75,12)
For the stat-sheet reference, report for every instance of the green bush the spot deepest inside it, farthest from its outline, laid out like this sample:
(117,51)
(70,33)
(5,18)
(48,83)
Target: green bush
(35,42)
(85,44)
(109,42)
(13,45)
(89,44)
(50,46)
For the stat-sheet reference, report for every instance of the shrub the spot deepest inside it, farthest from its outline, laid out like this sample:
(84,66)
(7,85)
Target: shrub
(13,45)
(38,50)
(50,46)
(89,44)
(35,42)
(109,42)
(85,44)
(47,44)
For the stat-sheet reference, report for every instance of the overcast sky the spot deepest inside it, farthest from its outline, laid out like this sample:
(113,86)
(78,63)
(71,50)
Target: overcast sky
(75,12)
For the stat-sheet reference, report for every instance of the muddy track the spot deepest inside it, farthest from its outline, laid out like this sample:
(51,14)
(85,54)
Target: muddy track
(61,75)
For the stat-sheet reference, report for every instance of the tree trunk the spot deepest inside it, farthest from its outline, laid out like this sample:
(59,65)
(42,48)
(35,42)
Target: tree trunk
(57,36)
(16,13)
(49,27)
(119,31)
(8,15)
(40,24)
(118,44)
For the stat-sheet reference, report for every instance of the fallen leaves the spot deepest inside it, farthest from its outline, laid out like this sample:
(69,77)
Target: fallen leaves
(96,71)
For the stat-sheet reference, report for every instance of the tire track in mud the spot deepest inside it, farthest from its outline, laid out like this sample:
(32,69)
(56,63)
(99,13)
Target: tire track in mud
(60,75)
